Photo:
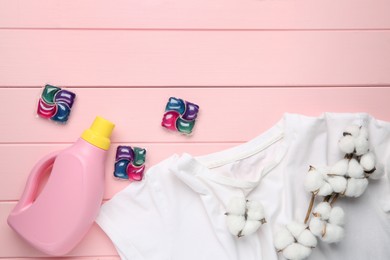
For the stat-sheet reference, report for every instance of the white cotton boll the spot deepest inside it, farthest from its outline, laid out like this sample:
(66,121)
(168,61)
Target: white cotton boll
(347,144)
(333,234)
(324,171)
(361,185)
(235,223)
(237,206)
(378,173)
(338,183)
(354,130)
(296,251)
(250,227)
(356,187)
(296,228)
(255,210)
(283,238)
(316,226)
(323,210)
(307,239)
(363,132)
(340,168)
(337,216)
(361,145)
(368,161)
(325,190)
(313,181)
(355,170)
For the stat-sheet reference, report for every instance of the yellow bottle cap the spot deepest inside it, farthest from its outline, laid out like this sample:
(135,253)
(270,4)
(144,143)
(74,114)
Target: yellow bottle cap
(99,133)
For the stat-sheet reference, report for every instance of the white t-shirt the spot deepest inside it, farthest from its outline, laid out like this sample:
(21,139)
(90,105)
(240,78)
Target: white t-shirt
(177,212)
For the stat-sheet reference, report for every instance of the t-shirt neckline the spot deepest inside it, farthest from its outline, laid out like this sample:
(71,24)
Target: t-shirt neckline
(201,165)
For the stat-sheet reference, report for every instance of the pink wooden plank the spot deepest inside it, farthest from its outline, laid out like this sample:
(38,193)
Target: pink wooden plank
(137,112)
(71,258)
(196,14)
(14,174)
(96,243)
(194,58)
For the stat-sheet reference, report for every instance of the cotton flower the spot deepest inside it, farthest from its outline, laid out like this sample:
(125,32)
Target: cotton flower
(255,210)
(326,223)
(352,130)
(296,251)
(235,223)
(340,168)
(355,170)
(316,182)
(347,176)
(244,217)
(355,144)
(361,145)
(347,144)
(333,234)
(323,210)
(354,140)
(326,181)
(255,217)
(338,183)
(355,187)
(237,206)
(368,162)
(295,241)
(337,216)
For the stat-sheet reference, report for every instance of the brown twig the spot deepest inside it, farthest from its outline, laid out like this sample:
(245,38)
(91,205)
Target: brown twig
(313,196)
(335,197)
(323,233)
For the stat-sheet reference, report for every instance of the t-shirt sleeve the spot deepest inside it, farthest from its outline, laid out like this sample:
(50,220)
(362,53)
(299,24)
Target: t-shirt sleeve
(135,219)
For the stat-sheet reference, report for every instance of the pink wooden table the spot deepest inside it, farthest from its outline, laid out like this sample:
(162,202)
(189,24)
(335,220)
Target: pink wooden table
(245,62)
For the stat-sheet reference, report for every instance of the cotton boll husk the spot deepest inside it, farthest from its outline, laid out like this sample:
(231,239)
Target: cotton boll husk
(316,226)
(307,239)
(283,238)
(356,187)
(378,173)
(296,251)
(337,216)
(250,227)
(347,144)
(355,170)
(325,190)
(296,228)
(235,223)
(255,210)
(313,181)
(338,183)
(237,206)
(354,130)
(333,234)
(323,209)
(361,145)
(368,161)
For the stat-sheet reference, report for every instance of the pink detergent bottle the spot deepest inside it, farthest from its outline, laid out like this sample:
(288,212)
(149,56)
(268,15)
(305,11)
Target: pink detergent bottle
(56,220)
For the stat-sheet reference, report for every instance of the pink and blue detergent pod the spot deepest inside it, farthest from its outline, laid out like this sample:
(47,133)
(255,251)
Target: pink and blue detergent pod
(55,103)
(130,163)
(180,115)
